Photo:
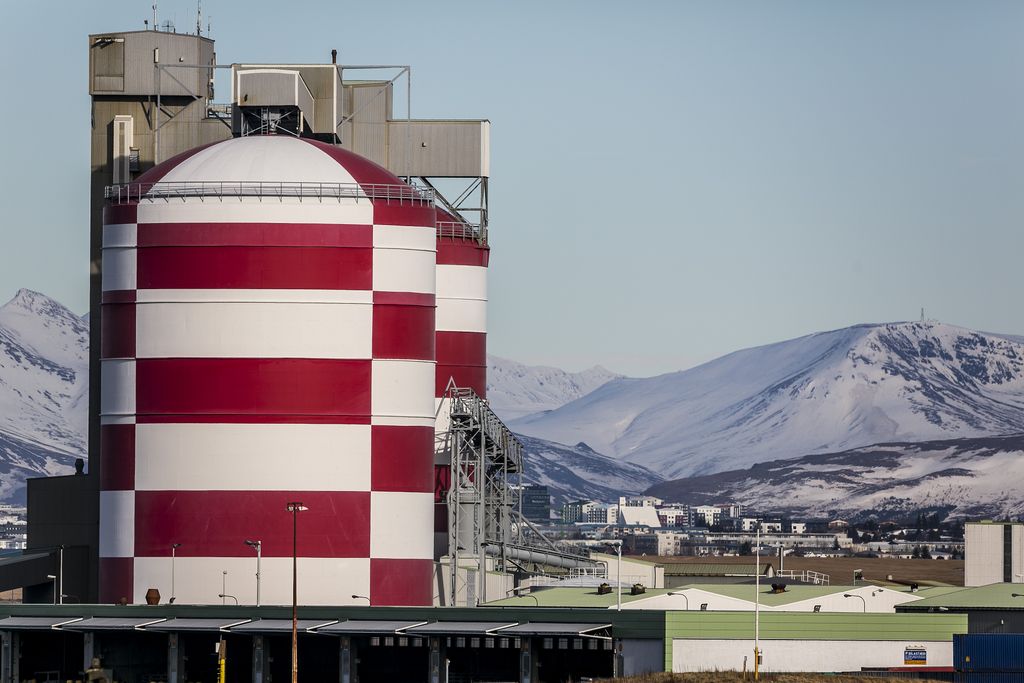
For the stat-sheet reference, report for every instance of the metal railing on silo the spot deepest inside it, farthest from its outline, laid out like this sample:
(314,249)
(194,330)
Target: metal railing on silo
(401,194)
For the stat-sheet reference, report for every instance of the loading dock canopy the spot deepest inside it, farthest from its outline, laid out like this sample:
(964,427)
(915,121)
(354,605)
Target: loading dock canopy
(356,627)
(280,625)
(110,624)
(35,623)
(557,629)
(458,627)
(193,625)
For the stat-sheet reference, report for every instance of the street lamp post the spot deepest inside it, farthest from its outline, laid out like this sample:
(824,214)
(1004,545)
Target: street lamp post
(684,596)
(174,550)
(60,578)
(618,575)
(295,508)
(53,582)
(851,595)
(258,545)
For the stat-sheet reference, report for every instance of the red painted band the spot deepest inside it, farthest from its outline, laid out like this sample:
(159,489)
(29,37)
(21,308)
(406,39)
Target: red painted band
(402,458)
(404,298)
(401,582)
(403,332)
(255,268)
(255,234)
(399,212)
(456,252)
(117,579)
(117,331)
(214,523)
(119,296)
(228,418)
(466,377)
(442,482)
(120,214)
(462,348)
(117,457)
(252,386)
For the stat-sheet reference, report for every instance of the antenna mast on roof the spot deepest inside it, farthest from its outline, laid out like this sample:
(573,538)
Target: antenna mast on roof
(156,26)
(199,17)
(922,314)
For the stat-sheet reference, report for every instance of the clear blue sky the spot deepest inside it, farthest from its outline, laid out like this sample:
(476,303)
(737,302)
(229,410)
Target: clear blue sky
(671,180)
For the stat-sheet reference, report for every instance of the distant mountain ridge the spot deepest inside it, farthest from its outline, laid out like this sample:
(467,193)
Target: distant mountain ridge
(515,389)
(825,392)
(44,385)
(971,477)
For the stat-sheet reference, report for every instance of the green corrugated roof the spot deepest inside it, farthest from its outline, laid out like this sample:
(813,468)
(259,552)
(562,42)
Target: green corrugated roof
(993,596)
(816,625)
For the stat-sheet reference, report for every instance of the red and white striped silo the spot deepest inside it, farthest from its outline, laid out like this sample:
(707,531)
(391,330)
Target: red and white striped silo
(268,337)
(462,259)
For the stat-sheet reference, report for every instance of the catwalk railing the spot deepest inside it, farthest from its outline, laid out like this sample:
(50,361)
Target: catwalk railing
(168,191)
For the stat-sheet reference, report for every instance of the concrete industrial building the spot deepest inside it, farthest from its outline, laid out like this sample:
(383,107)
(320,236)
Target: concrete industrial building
(993,553)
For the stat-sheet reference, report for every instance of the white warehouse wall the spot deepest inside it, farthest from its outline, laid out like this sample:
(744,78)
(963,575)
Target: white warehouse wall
(801,655)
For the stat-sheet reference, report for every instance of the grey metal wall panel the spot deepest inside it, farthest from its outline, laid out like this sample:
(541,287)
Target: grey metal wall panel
(439,148)
(371,108)
(319,80)
(176,51)
(257,88)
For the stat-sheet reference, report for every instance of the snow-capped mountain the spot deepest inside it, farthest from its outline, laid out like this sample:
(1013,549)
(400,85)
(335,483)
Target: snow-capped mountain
(578,472)
(960,477)
(515,390)
(825,392)
(44,379)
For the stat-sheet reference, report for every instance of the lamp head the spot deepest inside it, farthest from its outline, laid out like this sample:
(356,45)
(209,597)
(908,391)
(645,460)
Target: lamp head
(253,544)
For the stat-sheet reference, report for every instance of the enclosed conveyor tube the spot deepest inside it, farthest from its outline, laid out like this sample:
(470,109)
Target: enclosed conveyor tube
(540,556)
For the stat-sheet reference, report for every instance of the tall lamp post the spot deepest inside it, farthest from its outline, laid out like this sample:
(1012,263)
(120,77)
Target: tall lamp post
(174,550)
(757,602)
(258,546)
(295,508)
(618,574)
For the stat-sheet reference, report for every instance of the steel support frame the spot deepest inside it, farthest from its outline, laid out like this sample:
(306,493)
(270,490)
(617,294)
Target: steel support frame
(486,461)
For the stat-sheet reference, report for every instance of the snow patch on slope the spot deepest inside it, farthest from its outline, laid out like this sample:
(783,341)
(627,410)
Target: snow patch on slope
(823,392)
(515,390)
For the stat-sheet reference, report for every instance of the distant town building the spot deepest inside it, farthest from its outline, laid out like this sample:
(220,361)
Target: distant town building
(674,516)
(639,516)
(576,511)
(707,515)
(639,501)
(537,504)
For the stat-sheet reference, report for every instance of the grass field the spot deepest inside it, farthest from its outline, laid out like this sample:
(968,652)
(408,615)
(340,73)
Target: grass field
(735,677)
(840,569)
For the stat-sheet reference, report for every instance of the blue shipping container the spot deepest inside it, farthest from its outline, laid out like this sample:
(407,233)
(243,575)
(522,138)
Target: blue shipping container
(991,652)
